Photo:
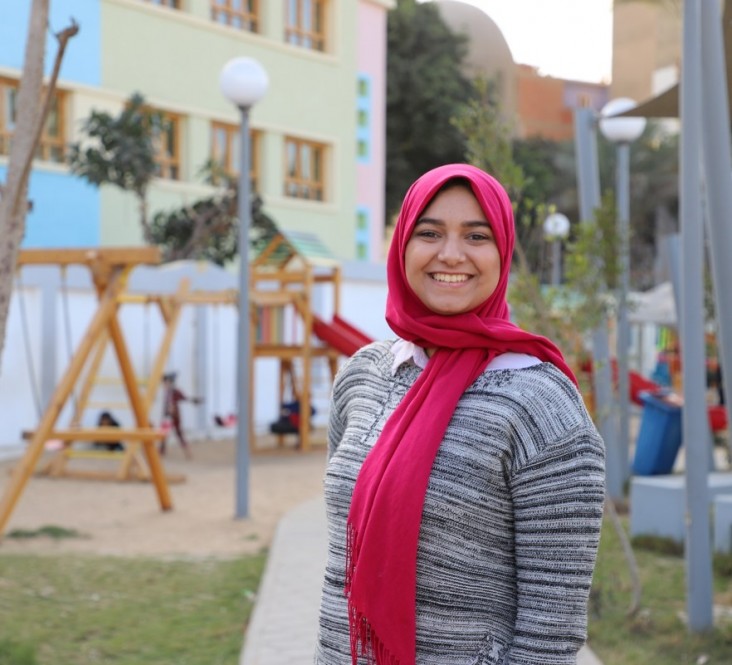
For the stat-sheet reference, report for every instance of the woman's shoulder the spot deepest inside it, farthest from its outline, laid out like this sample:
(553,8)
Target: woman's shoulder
(375,357)
(540,391)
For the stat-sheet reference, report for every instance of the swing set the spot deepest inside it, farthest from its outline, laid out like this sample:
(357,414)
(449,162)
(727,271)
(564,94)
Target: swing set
(283,278)
(110,269)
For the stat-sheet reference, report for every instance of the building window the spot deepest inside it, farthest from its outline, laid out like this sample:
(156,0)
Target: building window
(363,224)
(363,119)
(305,178)
(584,101)
(52,145)
(167,144)
(173,4)
(225,151)
(305,23)
(240,14)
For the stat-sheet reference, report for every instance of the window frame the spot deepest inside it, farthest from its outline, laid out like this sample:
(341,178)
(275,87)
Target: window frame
(313,188)
(170,4)
(231,138)
(296,34)
(48,142)
(249,18)
(169,163)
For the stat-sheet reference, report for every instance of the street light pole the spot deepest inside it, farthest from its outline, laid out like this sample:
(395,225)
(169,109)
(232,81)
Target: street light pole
(243,82)
(622,131)
(556,229)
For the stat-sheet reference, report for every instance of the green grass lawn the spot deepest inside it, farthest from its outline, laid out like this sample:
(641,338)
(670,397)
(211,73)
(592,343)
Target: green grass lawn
(83,610)
(79,610)
(657,633)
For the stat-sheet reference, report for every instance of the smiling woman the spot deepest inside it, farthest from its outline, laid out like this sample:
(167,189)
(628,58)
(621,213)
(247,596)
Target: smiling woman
(451,261)
(465,482)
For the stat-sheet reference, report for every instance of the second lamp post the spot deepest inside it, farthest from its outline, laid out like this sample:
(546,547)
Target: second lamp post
(622,131)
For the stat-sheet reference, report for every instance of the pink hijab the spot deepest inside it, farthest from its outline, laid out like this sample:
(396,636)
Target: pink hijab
(386,507)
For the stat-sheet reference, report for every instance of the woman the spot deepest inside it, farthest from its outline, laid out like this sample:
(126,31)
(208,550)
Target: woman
(465,481)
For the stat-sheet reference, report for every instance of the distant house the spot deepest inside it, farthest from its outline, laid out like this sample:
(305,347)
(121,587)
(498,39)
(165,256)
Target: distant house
(534,104)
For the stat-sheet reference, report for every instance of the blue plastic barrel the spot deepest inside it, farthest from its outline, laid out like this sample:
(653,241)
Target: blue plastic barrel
(659,437)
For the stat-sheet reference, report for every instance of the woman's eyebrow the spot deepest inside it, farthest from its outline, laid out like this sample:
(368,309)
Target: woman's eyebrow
(469,223)
(428,220)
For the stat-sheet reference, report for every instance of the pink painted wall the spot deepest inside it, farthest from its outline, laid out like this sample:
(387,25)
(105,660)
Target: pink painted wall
(371,51)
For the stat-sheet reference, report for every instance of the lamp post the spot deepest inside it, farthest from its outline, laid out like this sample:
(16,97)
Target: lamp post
(556,229)
(243,81)
(622,131)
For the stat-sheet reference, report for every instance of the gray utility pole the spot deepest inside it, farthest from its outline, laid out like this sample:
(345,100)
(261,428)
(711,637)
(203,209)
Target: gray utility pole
(622,196)
(718,174)
(699,595)
(588,179)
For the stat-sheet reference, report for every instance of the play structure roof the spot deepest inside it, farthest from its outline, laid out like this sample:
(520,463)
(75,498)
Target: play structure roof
(283,247)
(657,305)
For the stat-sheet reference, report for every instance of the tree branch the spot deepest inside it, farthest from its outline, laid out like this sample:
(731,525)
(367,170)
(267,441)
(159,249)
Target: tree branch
(63,38)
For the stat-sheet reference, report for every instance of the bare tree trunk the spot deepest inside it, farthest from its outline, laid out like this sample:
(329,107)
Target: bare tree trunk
(31,116)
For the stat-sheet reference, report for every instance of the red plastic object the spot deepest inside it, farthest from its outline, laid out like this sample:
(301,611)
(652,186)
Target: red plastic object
(717,418)
(340,334)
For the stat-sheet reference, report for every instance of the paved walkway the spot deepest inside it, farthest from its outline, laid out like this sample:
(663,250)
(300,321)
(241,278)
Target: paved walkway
(284,623)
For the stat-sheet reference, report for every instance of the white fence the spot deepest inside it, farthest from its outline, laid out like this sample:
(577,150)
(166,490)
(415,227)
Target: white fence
(51,309)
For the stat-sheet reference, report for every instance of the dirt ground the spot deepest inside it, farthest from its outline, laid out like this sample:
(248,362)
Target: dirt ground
(124,518)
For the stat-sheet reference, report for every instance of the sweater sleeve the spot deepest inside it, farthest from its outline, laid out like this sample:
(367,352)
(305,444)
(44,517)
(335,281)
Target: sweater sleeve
(335,428)
(558,498)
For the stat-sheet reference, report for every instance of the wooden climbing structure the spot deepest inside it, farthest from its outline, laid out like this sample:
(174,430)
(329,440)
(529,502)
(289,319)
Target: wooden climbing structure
(284,274)
(110,269)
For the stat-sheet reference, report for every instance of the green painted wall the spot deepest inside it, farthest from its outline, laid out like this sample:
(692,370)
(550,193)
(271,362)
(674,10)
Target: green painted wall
(174,58)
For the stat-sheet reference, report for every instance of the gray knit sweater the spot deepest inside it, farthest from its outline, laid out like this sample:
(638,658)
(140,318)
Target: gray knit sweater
(511,519)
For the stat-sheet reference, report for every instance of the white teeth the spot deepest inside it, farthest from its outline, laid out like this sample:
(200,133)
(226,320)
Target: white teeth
(445,277)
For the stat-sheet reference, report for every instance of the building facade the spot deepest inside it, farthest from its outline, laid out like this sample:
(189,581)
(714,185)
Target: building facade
(533,105)
(546,104)
(317,136)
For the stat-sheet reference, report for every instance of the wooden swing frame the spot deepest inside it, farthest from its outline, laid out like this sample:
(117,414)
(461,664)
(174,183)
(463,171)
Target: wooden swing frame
(110,269)
(131,464)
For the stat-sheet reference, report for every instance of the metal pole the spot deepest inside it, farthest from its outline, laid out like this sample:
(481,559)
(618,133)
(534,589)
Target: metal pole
(623,333)
(243,359)
(588,179)
(695,430)
(556,261)
(718,175)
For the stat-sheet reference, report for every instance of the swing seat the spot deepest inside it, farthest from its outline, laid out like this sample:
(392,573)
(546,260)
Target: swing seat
(226,421)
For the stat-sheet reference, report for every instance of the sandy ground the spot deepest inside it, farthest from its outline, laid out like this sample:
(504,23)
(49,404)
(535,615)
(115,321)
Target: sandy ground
(124,518)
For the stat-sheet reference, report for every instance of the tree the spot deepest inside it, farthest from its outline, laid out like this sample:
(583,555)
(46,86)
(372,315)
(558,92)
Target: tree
(208,229)
(32,108)
(120,151)
(424,89)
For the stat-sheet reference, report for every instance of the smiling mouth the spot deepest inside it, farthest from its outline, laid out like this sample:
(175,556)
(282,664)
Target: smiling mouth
(449,278)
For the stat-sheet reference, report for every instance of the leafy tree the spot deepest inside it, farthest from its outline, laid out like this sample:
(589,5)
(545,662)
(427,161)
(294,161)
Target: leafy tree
(424,89)
(208,229)
(120,151)
(32,108)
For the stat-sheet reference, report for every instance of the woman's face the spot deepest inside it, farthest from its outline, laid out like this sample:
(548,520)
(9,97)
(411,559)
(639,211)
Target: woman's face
(451,261)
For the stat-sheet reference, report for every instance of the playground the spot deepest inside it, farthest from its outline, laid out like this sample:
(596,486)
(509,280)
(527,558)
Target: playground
(116,363)
(123,519)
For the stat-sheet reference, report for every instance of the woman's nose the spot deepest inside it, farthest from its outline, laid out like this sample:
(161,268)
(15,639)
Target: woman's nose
(451,252)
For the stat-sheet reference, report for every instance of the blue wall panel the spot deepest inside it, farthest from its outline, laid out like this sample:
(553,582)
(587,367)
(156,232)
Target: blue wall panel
(65,211)
(82,60)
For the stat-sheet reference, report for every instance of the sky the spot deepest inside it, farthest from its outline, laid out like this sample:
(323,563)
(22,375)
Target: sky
(564,38)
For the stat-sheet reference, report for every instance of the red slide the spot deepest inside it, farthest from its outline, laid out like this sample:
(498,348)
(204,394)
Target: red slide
(340,334)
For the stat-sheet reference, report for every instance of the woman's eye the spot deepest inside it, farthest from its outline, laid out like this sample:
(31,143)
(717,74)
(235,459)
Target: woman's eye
(480,237)
(427,234)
